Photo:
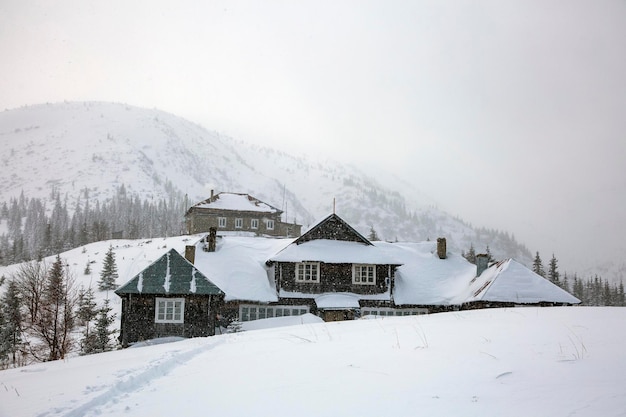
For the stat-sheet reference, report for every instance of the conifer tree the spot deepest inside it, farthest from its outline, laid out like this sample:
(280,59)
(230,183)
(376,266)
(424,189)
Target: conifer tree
(471,255)
(538,266)
(373,236)
(553,273)
(103,332)
(108,275)
(10,325)
(55,322)
(86,306)
(489,255)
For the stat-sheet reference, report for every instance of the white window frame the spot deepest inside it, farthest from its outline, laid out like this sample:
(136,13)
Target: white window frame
(270,225)
(358,277)
(307,272)
(250,312)
(238,223)
(221,222)
(254,223)
(163,314)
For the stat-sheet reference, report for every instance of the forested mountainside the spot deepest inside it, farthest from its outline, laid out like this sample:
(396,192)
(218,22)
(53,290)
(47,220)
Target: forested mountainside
(84,170)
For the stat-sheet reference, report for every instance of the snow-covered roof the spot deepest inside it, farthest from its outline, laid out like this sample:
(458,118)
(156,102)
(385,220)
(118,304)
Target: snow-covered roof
(335,251)
(329,301)
(510,281)
(239,268)
(170,274)
(424,279)
(236,202)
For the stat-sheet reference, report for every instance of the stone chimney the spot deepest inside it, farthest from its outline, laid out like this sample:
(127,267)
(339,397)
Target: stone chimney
(441,248)
(482,263)
(190,253)
(211,239)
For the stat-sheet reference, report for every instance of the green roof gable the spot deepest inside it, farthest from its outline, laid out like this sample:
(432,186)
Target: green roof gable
(171,274)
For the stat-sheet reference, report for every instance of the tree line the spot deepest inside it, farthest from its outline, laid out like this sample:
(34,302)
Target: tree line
(44,315)
(35,230)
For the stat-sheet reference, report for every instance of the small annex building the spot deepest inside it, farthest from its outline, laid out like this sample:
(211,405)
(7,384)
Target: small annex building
(170,297)
(238,213)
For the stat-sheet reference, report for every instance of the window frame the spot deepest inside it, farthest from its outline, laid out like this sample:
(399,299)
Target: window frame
(167,301)
(269,224)
(254,223)
(239,223)
(259,312)
(300,274)
(222,222)
(357,274)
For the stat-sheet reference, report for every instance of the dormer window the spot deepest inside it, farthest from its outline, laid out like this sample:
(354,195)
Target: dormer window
(308,272)
(363,274)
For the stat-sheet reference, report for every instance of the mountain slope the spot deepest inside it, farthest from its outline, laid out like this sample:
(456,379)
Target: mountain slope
(73,147)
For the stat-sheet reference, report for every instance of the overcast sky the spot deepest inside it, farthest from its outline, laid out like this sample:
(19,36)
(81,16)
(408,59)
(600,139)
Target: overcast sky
(510,114)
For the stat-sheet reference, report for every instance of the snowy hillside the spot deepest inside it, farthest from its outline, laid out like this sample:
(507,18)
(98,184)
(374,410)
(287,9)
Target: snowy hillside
(71,147)
(507,362)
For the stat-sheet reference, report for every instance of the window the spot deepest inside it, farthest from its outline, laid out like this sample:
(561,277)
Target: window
(169,310)
(387,311)
(221,221)
(364,274)
(270,225)
(254,223)
(308,272)
(238,223)
(249,312)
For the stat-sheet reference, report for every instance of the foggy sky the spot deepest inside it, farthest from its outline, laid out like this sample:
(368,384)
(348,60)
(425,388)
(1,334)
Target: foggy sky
(509,114)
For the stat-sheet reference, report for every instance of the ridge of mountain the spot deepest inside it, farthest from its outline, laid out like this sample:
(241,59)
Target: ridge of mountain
(74,146)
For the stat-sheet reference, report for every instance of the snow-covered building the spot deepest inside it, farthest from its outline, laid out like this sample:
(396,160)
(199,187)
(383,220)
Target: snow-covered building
(238,213)
(334,272)
(170,297)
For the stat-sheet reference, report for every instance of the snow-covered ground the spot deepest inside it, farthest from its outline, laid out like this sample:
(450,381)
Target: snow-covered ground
(514,362)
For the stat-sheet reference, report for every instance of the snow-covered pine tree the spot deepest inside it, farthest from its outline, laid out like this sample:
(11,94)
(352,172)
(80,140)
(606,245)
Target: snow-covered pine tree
(538,266)
(489,255)
(102,331)
(373,236)
(471,255)
(553,273)
(86,306)
(10,327)
(108,275)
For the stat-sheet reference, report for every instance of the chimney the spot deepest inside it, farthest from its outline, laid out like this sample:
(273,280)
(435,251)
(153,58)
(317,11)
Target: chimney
(190,253)
(211,194)
(441,248)
(482,263)
(212,237)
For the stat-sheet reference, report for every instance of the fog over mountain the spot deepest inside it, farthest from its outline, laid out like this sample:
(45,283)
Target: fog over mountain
(98,147)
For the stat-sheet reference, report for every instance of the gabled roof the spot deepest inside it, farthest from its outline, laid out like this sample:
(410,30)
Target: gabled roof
(235,202)
(171,274)
(335,252)
(510,281)
(332,227)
